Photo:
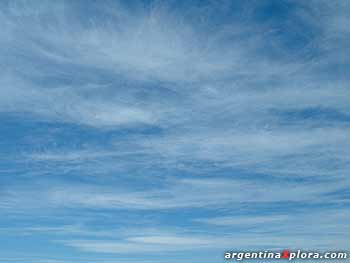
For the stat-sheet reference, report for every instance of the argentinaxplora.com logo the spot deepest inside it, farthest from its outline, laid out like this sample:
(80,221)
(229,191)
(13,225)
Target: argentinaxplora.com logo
(286,254)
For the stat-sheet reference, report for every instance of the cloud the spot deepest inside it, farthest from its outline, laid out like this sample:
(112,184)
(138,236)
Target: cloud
(169,114)
(196,242)
(241,221)
(175,194)
(139,244)
(158,49)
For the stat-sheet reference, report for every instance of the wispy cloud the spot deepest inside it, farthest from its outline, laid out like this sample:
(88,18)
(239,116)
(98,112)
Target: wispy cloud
(172,114)
(180,193)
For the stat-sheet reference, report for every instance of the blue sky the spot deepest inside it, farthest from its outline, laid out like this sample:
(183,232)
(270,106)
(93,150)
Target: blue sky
(172,131)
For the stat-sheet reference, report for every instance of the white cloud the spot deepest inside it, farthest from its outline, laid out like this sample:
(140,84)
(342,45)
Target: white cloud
(152,48)
(218,99)
(244,221)
(178,193)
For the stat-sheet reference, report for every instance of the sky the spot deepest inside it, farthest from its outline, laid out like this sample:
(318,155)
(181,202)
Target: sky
(172,131)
